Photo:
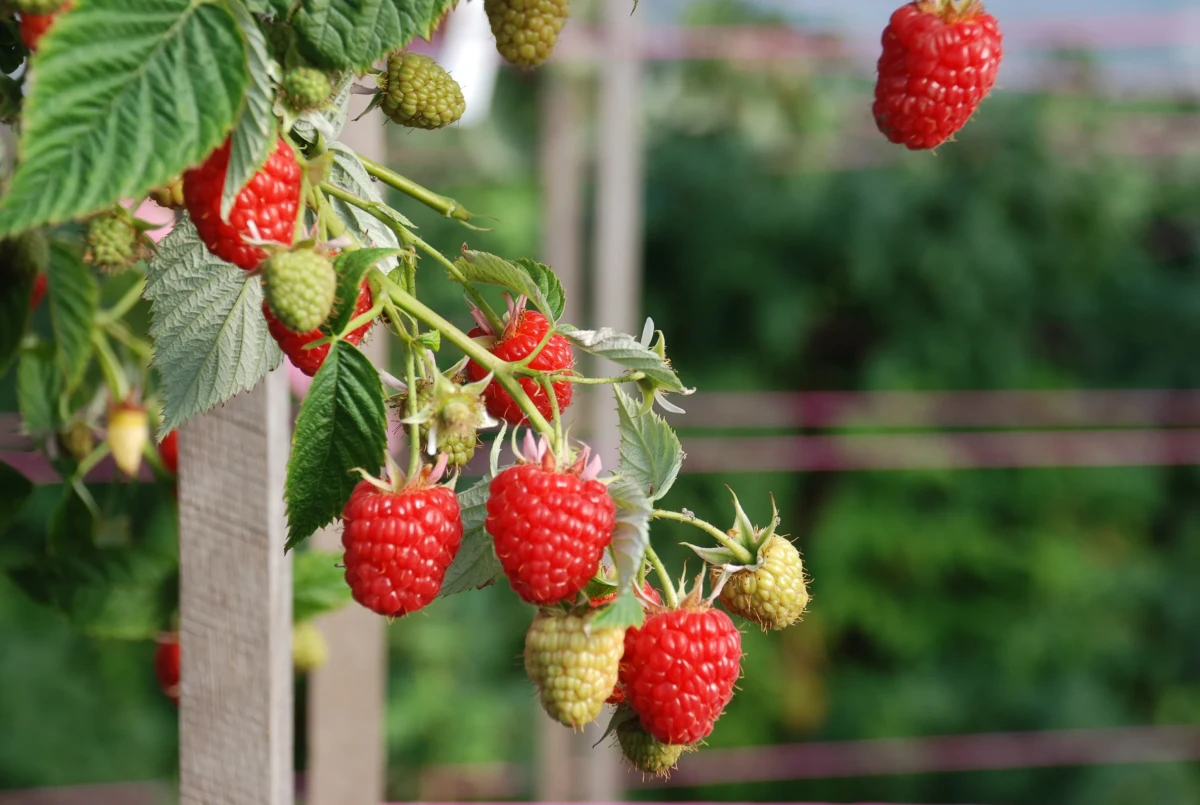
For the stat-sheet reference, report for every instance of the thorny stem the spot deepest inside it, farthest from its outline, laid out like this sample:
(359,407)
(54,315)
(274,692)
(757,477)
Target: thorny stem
(446,206)
(720,536)
(500,369)
(123,305)
(408,238)
(414,430)
(663,578)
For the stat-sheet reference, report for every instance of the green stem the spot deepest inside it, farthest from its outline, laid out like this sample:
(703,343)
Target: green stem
(110,366)
(556,415)
(408,238)
(119,331)
(414,430)
(739,552)
(500,369)
(524,362)
(667,585)
(632,377)
(446,206)
(123,305)
(360,320)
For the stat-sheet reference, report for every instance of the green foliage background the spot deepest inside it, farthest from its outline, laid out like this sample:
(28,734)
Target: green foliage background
(944,601)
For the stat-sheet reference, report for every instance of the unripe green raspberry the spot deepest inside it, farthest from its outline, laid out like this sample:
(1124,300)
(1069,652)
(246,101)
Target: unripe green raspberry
(77,440)
(418,93)
(309,650)
(38,6)
(526,30)
(456,417)
(574,666)
(306,87)
(646,753)
(113,245)
(300,288)
(774,596)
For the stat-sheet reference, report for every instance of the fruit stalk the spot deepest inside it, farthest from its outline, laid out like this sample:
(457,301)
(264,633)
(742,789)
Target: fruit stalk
(500,369)
(414,428)
(446,206)
(663,578)
(110,366)
(743,556)
(123,305)
(408,238)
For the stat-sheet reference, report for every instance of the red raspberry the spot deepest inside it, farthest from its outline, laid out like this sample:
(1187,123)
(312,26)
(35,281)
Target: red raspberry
(265,209)
(939,60)
(399,544)
(34,26)
(618,693)
(168,451)
(39,291)
(679,670)
(549,529)
(166,666)
(524,332)
(292,344)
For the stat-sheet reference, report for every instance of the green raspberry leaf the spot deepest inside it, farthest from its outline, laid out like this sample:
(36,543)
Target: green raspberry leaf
(318,584)
(73,296)
(255,135)
(342,427)
(39,388)
(548,283)
(354,33)
(525,278)
(631,538)
(126,593)
(210,338)
(624,349)
(351,267)
(128,94)
(650,451)
(15,489)
(348,173)
(476,565)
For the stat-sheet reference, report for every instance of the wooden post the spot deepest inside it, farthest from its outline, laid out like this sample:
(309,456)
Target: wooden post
(562,175)
(347,757)
(616,284)
(235,720)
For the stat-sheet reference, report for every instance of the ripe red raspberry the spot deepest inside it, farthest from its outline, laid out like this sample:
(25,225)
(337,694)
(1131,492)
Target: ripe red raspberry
(264,210)
(166,665)
(168,451)
(679,670)
(549,528)
(524,331)
(399,542)
(649,594)
(39,291)
(939,60)
(292,344)
(36,19)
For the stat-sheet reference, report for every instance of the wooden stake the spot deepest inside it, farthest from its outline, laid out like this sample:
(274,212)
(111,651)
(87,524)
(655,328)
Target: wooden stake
(235,722)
